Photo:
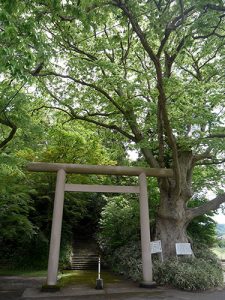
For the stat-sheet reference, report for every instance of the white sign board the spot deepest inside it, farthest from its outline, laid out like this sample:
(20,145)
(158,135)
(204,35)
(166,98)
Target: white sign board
(156,247)
(183,249)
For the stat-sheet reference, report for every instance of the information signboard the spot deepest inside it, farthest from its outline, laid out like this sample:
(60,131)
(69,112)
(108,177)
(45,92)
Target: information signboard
(183,249)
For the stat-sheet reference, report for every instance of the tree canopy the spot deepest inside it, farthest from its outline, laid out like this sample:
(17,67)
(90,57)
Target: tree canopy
(151,72)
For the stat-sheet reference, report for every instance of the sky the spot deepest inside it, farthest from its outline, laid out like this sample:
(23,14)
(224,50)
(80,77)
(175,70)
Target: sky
(220,218)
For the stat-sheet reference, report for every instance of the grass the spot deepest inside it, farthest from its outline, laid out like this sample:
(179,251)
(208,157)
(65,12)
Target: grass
(25,273)
(67,277)
(220,252)
(86,277)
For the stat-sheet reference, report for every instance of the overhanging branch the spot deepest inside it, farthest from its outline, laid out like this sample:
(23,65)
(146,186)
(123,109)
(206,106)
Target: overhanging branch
(206,207)
(74,116)
(84,83)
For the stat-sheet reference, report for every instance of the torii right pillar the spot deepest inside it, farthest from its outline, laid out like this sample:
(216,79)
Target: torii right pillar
(145,234)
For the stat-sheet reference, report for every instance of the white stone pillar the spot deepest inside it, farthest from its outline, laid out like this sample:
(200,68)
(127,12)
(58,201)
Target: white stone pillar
(53,260)
(145,233)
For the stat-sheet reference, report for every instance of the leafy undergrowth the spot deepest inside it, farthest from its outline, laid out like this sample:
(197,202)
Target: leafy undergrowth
(189,274)
(70,277)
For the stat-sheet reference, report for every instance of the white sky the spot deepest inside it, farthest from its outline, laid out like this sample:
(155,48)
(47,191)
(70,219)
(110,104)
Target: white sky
(220,218)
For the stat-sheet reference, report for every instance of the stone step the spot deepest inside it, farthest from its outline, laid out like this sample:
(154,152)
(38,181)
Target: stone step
(84,266)
(84,261)
(85,255)
(77,257)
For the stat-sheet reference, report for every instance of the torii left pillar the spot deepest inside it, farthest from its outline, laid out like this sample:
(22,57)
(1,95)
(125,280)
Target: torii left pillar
(53,260)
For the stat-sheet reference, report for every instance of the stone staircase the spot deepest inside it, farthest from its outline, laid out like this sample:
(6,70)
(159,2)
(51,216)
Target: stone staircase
(85,255)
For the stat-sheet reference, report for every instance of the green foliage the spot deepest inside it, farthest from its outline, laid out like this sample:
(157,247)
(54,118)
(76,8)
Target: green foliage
(34,254)
(15,202)
(199,273)
(189,274)
(27,199)
(119,222)
(82,60)
(66,252)
(126,260)
(202,229)
(202,272)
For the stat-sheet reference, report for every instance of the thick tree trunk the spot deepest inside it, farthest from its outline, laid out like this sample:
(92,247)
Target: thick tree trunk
(171,223)
(171,231)
(172,217)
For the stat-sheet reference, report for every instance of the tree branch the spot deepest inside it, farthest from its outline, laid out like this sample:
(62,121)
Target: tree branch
(214,7)
(213,162)
(162,96)
(173,26)
(213,32)
(137,29)
(13,127)
(149,157)
(108,126)
(216,135)
(202,156)
(52,107)
(13,96)
(206,207)
(177,21)
(84,83)
(74,116)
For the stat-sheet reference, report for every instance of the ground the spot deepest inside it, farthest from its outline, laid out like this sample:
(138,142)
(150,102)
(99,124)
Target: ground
(13,287)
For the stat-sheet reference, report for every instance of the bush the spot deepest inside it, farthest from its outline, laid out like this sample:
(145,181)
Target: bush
(30,255)
(201,251)
(126,260)
(188,274)
(119,223)
(66,252)
(199,273)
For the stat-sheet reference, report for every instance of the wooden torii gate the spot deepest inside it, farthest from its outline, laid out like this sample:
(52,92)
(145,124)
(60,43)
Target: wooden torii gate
(62,187)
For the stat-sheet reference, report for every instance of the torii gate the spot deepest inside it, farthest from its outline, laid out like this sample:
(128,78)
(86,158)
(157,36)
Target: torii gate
(62,187)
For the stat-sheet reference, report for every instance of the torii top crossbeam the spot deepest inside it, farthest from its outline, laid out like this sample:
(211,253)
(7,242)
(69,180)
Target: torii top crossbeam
(96,169)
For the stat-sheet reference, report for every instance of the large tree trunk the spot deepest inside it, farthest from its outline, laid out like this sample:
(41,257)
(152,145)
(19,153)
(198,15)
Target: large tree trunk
(172,217)
(171,223)
(171,231)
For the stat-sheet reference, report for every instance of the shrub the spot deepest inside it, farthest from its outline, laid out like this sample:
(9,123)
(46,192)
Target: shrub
(65,255)
(32,255)
(126,260)
(201,251)
(188,273)
(199,273)
(119,223)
